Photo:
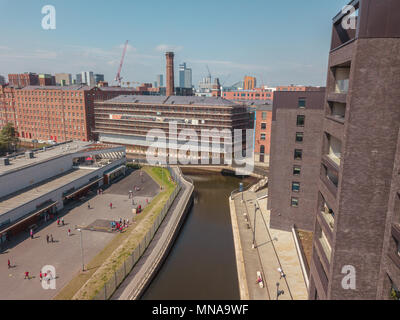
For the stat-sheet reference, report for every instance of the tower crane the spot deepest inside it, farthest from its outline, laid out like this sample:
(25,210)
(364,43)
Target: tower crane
(118,78)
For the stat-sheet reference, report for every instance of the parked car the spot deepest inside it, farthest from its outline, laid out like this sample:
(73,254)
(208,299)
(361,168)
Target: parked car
(35,141)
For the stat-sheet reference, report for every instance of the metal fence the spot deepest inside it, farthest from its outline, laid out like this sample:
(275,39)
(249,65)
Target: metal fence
(121,273)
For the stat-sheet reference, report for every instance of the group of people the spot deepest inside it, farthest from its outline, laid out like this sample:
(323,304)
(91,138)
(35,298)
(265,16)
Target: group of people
(120,225)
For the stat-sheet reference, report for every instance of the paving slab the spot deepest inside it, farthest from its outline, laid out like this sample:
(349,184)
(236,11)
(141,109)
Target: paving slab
(65,253)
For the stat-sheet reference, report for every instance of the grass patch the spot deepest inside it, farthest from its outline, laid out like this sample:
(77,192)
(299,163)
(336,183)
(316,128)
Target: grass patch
(102,267)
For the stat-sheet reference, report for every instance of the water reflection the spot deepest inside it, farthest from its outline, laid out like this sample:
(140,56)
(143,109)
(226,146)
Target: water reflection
(201,265)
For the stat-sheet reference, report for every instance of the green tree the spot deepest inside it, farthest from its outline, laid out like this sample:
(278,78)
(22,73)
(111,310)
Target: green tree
(8,138)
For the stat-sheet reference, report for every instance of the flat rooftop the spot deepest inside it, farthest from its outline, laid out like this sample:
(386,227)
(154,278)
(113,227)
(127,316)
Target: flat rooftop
(173,100)
(21,161)
(77,87)
(29,194)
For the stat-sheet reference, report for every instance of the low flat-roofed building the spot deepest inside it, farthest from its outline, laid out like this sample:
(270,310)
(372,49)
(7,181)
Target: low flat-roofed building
(37,184)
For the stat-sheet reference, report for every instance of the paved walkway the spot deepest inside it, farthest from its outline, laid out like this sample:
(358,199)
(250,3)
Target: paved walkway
(274,249)
(139,277)
(65,253)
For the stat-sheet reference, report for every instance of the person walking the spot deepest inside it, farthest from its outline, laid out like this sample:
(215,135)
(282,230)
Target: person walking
(51,238)
(40,276)
(88,206)
(282,274)
(62,221)
(69,232)
(9,264)
(58,222)
(110,205)
(31,233)
(47,238)
(26,275)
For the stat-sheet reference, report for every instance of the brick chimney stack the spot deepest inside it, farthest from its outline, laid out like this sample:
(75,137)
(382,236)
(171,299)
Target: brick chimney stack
(170,74)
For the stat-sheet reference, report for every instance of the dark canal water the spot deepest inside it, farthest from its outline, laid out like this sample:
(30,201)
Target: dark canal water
(201,264)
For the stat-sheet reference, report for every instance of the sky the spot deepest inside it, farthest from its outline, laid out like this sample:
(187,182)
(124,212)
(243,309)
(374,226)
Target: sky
(278,42)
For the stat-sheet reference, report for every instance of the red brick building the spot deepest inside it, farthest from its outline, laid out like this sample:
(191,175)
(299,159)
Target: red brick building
(256,94)
(262,137)
(54,113)
(23,79)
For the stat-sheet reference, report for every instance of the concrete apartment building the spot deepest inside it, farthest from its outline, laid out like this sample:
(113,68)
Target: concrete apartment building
(37,184)
(98,78)
(2,80)
(185,76)
(126,120)
(63,79)
(295,158)
(357,220)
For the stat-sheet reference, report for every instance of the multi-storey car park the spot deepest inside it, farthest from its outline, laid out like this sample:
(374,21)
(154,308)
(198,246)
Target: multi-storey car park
(37,184)
(127,120)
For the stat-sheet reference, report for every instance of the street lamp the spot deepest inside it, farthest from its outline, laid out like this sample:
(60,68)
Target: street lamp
(83,263)
(254,229)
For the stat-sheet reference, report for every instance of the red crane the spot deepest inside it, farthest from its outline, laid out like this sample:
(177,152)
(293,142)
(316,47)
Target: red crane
(118,76)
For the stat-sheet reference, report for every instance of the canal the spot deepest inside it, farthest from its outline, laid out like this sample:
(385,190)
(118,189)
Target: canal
(201,264)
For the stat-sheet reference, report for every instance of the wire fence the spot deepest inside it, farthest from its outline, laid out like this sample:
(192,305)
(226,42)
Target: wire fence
(112,284)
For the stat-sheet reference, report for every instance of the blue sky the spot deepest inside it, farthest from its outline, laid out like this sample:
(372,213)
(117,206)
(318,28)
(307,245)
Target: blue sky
(279,42)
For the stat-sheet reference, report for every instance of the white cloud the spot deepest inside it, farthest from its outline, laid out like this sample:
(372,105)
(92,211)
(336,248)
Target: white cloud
(168,47)
(231,65)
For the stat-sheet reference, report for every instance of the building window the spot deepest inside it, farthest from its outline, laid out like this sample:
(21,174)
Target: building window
(326,247)
(334,149)
(294,202)
(298,154)
(302,102)
(263,136)
(263,126)
(301,121)
(262,149)
(299,136)
(296,170)
(264,116)
(296,186)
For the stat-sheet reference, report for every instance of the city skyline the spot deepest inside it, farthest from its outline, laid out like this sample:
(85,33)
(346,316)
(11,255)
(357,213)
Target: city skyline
(293,50)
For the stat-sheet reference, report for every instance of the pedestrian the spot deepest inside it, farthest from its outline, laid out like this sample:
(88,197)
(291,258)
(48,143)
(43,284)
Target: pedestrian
(40,276)
(58,222)
(51,238)
(9,264)
(31,233)
(110,205)
(88,205)
(69,232)
(282,274)
(62,221)
(47,238)
(26,275)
